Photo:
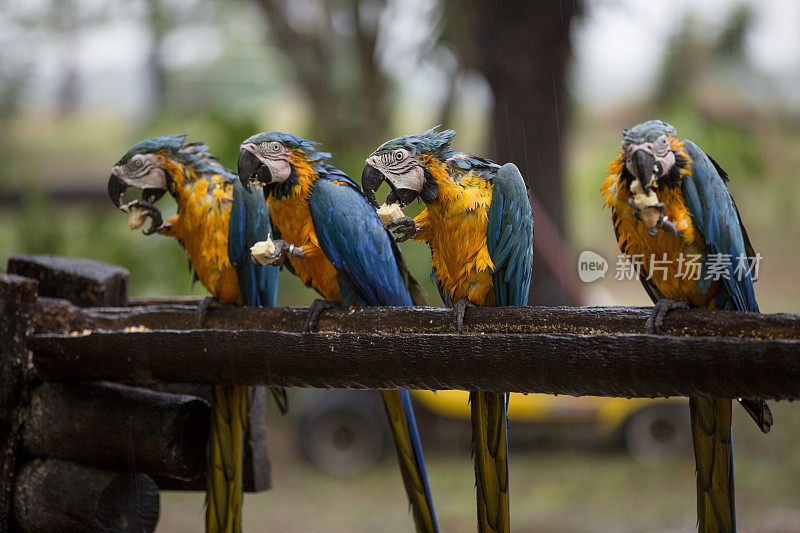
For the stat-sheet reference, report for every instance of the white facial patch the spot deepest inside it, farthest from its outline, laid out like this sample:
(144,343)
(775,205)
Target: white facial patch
(400,168)
(143,172)
(664,158)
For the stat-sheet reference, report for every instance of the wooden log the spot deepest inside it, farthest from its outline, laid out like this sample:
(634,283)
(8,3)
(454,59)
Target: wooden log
(83,282)
(54,495)
(631,365)
(57,316)
(17,304)
(119,427)
(257,468)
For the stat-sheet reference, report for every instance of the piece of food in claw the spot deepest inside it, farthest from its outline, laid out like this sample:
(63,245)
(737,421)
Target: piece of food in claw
(136,215)
(645,203)
(390,213)
(264,252)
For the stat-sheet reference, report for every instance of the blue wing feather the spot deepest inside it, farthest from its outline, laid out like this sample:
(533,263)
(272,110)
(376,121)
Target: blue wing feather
(354,240)
(715,214)
(249,223)
(509,237)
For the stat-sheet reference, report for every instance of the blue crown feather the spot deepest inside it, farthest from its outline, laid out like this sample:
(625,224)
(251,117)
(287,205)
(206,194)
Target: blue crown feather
(428,142)
(291,141)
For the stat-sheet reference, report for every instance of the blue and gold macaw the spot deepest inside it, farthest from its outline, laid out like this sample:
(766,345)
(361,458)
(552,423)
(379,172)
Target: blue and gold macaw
(333,240)
(216,223)
(479,226)
(695,216)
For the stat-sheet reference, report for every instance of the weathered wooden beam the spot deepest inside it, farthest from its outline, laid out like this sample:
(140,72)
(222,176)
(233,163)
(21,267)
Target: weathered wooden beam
(54,495)
(58,316)
(17,303)
(84,282)
(119,427)
(629,365)
(257,468)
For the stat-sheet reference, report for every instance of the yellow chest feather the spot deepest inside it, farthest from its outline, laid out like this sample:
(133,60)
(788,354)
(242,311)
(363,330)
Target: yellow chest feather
(201,226)
(668,259)
(454,226)
(292,218)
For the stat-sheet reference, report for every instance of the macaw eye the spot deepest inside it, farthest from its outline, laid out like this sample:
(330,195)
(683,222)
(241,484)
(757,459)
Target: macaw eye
(662,144)
(399,155)
(137,163)
(275,147)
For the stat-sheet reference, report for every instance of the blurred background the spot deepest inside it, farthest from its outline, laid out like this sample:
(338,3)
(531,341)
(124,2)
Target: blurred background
(546,84)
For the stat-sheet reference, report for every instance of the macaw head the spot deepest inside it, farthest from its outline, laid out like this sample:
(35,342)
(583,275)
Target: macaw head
(151,166)
(272,159)
(403,164)
(143,167)
(652,151)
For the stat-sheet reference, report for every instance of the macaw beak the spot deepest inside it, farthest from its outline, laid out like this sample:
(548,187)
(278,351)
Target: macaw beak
(402,196)
(645,168)
(371,179)
(250,168)
(116,188)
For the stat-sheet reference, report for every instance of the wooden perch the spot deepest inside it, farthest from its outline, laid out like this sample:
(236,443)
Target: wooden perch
(575,351)
(84,282)
(59,316)
(123,428)
(55,495)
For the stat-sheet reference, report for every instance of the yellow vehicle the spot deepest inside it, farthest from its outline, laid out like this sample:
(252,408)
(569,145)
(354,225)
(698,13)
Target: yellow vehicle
(344,433)
(652,429)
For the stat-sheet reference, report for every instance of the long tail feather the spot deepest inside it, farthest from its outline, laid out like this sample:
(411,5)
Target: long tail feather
(759,412)
(224,485)
(409,454)
(279,393)
(713,451)
(489,441)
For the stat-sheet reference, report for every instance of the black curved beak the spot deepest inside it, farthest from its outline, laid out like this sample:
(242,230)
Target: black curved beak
(403,196)
(246,167)
(644,166)
(153,195)
(371,179)
(116,188)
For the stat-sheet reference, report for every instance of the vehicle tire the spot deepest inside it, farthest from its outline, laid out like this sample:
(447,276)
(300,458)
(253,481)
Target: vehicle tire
(659,433)
(344,433)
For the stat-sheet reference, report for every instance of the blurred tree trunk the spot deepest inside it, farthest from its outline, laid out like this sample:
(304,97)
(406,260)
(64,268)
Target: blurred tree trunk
(157,24)
(336,67)
(523,48)
(66,20)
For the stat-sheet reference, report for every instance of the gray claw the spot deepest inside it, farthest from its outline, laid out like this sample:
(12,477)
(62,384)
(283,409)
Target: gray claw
(655,322)
(459,310)
(317,307)
(404,228)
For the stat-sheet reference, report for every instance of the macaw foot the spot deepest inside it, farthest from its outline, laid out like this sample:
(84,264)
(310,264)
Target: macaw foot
(282,251)
(313,313)
(634,210)
(459,309)
(151,211)
(209,302)
(404,228)
(655,322)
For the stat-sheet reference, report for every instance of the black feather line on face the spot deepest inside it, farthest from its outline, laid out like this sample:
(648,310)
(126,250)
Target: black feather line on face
(282,190)
(430,188)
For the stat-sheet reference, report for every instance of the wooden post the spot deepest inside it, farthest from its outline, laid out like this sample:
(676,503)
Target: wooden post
(120,427)
(83,282)
(17,303)
(54,495)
